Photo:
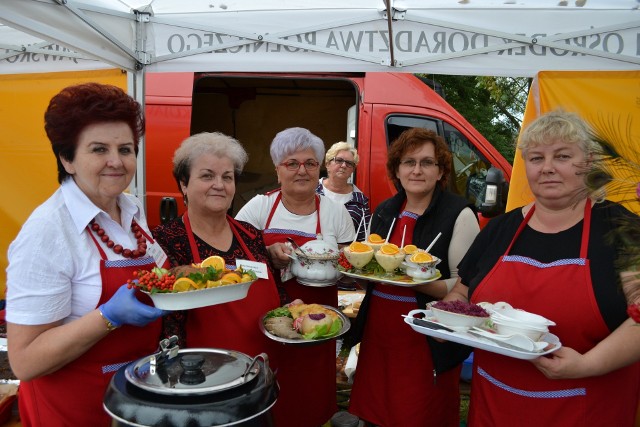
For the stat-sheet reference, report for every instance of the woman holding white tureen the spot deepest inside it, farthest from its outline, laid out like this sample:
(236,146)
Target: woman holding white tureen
(296,212)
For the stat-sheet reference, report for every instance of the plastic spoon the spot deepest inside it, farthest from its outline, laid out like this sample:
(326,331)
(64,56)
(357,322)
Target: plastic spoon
(433,243)
(359,225)
(390,230)
(520,341)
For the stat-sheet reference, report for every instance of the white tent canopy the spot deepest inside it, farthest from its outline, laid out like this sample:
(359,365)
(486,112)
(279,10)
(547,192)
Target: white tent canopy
(461,37)
(464,37)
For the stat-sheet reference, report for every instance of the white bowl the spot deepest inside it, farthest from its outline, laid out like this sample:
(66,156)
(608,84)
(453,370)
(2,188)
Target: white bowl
(389,262)
(512,329)
(319,262)
(374,246)
(450,318)
(435,261)
(422,270)
(357,259)
(199,297)
(521,316)
(520,325)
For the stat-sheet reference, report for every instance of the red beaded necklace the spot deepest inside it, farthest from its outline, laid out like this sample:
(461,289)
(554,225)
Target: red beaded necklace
(127,253)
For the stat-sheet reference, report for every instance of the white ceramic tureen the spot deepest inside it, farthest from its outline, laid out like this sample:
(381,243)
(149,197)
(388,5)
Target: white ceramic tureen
(316,262)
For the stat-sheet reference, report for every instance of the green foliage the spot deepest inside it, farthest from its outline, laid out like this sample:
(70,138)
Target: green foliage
(493,105)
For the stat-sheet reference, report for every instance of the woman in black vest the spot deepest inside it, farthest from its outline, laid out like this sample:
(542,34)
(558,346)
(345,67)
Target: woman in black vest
(403,379)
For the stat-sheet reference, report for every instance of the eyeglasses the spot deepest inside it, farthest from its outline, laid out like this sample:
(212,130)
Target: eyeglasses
(424,163)
(294,165)
(341,161)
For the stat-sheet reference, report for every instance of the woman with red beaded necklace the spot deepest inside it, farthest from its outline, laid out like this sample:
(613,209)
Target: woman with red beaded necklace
(66,301)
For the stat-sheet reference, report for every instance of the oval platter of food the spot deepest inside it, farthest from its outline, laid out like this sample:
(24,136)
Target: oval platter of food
(304,324)
(194,286)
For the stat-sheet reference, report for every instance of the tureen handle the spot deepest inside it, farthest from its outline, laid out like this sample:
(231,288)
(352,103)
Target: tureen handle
(252,368)
(168,350)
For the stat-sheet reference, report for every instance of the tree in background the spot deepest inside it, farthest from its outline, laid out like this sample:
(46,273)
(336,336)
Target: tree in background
(493,105)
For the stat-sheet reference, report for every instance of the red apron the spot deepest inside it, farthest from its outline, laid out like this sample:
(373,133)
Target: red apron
(244,336)
(506,389)
(394,384)
(73,395)
(307,376)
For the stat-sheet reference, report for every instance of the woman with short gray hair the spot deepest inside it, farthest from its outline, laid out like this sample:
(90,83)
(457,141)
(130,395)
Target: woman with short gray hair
(205,167)
(296,212)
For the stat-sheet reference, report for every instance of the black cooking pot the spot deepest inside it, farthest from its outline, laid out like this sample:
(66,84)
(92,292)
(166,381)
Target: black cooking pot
(193,388)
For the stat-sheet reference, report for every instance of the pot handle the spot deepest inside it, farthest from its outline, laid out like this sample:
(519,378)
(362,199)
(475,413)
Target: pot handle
(168,350)
(253,363)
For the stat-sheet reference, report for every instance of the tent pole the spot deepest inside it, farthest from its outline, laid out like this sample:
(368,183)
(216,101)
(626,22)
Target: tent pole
(135,83)
(390,26)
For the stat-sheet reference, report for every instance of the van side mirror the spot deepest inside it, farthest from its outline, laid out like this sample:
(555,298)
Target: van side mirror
(495,190)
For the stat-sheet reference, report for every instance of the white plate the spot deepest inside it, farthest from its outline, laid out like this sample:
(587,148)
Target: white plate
(346,324)
(350,298)
(200,297)
(478,342)
(398,280)
(316,283)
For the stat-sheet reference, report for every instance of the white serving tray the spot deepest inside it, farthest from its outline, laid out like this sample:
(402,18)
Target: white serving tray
(464,337)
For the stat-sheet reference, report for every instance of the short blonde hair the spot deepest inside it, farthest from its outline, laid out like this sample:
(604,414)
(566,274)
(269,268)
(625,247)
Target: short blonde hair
(338,147)
(557,125)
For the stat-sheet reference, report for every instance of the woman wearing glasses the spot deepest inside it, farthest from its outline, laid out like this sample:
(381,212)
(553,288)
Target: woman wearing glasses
(341,160)
(416,381)
(296,211)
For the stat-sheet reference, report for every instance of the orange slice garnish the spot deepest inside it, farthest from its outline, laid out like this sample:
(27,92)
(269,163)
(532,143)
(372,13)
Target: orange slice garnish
(410,249)
(184,284)
(389,249)
(214,261)
(359,247)
(213,283)
(419,257)
(231,277)
(375,238)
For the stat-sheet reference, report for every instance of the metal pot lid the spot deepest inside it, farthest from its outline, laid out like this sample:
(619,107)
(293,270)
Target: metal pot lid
(197,371)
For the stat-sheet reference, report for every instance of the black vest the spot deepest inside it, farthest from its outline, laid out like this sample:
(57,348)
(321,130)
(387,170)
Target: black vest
(439,217)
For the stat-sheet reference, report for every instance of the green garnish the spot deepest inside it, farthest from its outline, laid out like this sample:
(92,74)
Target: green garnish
(324,331)
(279,312)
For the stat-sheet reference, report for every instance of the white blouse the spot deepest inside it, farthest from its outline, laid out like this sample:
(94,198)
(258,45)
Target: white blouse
(54,265)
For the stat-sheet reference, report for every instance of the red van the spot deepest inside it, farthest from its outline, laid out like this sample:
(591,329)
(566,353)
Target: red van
(368,110)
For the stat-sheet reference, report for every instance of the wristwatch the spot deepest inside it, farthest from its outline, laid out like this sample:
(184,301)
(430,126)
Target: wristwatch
(110,325)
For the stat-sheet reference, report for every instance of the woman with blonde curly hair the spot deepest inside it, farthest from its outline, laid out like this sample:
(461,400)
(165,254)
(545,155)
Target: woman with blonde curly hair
(556,257)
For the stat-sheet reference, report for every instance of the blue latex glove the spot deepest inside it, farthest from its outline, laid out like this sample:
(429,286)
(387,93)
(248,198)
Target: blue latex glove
(124,309)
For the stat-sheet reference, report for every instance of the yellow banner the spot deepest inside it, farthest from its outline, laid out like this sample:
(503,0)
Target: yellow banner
(27,166)
(605,99)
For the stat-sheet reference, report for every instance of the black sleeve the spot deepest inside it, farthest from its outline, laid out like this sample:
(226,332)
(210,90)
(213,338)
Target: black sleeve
(487,248)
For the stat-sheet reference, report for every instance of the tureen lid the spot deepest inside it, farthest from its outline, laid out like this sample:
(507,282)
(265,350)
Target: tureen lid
(318,249)
(195,371)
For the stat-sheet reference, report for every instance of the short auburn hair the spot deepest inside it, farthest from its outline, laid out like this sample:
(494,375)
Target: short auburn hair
(412,139)
(76,107)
